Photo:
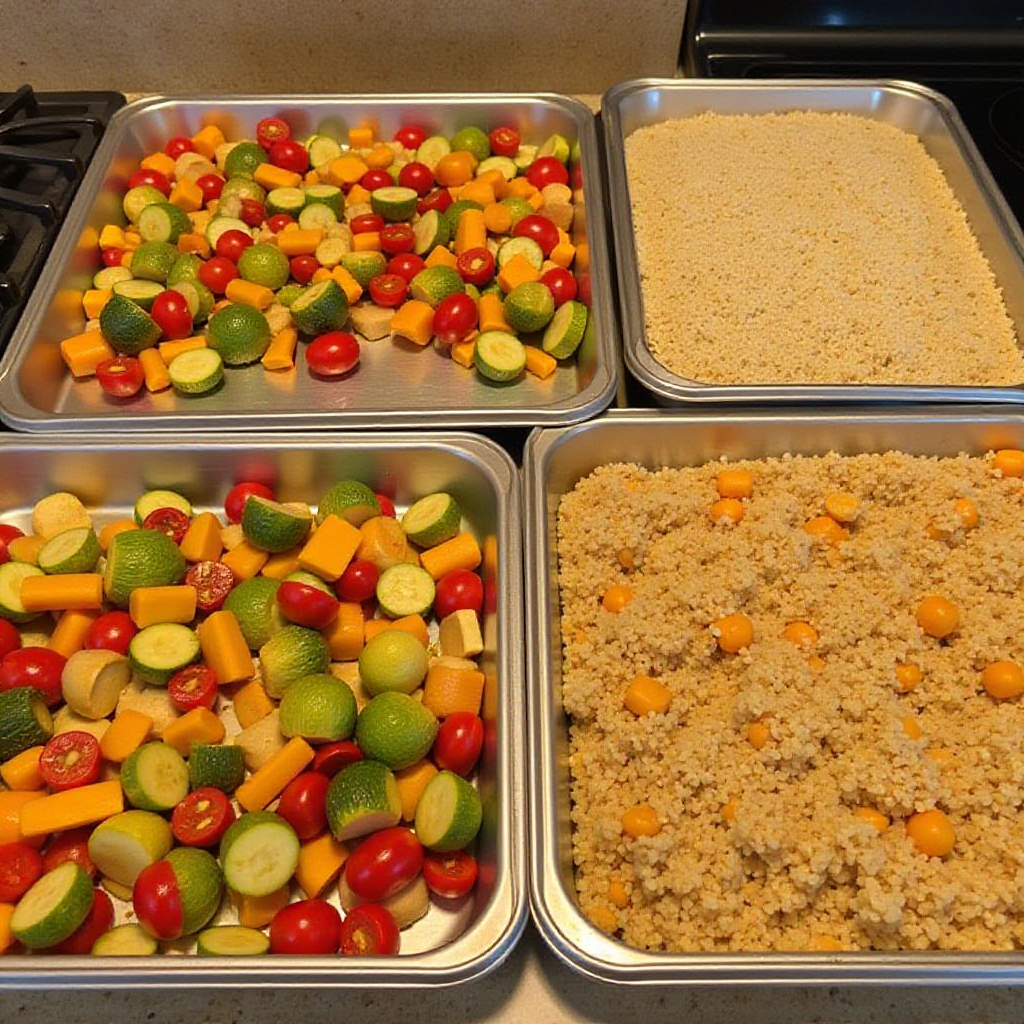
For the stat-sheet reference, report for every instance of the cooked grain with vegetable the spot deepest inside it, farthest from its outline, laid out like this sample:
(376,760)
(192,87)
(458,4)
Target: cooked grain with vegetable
(786,736)
(810,248)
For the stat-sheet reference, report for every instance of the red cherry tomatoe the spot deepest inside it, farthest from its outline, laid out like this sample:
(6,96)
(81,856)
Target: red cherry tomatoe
(178,145)
(332,354)
(454,318)
(211,185)
(231,244)
(270,130)
(10,638)
(252,213)
(236,498)
(561,283)
(358,582)
(7,534)
(217,273)
(38,667)
(289,155)
(458,590)
(540,229)
(547,170)
(412,136)
(504,141)
(121,376)
(112,631)
(306,605)
(172,315)
(306,926)
(155,179)
(417,176)
(303,268)
(376,178)
(303,802)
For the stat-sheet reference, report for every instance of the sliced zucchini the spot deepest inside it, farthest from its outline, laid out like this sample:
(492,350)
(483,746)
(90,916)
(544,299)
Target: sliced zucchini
(25,721)
(232,940)
(521,247)
(329,195)
(430,230)
(499,356)
(322,150)
(564,333)
(449,813)
(259,853)
(154,777)
(141,291)
(218,225)
(503,164)
(53,907)
(109,276)
(286,200)
(221,765)
(152,500)
(125,940)
(76,550)
(12,574)
(394,203)
(196,371)
(432,149)
(405,589)
(432,519)
(158,651)
(317,215)
(163,222)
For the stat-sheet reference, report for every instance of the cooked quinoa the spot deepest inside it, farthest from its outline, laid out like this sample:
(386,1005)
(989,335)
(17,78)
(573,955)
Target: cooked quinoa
(762,847)
(810,247)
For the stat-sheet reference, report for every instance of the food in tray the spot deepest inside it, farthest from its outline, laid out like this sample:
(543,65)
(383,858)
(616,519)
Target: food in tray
(234,251)
(795,693)
(223,800)
(810,248)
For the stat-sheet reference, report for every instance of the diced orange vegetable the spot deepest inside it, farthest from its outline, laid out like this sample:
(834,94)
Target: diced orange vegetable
(489,561)
(498,218)
(521,187)
(82,353)
(357,194)
(187,196)
(461,552)
(330,549)
(321,274)
(471,232)
(366,241)
(462,352)
(257,911)
(6,935)
(12,802)
(497,181)
(411,783)
(267,781)
(111,530)
(94,300)
(21,772)
(111,237)
(441,256)
(82,805)
(381,156)
(349,285)
(344,635)
(224,648)
(563,254)
(518,270)
(447,689)
(582,255)
(360,138)
(492,313)
(413,624)
(69,634)
(169,349)
(154,370)
(127,732)
(207,139)
(281,564)
(158,162)
(201,542)
(301,242)
(536,200)
(539,363)
(200,725)
(26,549)
(126,259)
(280,353)
(414,321)
(271,176)
(251,703)
(320,862)
(455,168)
(479,191)
(244,560)
(248,294)
(150,605)
(346,170)
(83,590)
(192,241)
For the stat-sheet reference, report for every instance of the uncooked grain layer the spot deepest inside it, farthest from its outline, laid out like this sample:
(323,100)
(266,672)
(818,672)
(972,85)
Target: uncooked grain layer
(795,868)
(810,248)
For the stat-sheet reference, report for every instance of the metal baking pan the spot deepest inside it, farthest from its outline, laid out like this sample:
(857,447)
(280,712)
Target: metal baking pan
(554,461)
(913,108)
(453,943)
(391,389)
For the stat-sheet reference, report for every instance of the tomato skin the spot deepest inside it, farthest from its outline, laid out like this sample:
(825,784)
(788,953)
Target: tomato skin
(476,266)
(332,757)
(388,290)
(454,318)
(170,521)
(376,178)
(540,229)
(369,930)
(547,170)
(366,222)
(156,899)
(10,639)
(303,268)
(252,213)
(217,273)
(112,631)
(194,686)
(387,506)
(332,354)
(460,738)
(233,243)
(560,283)
(358,582)
(439,199)
(417,176)
(7,534)
(72,845)
(307,926)
(412,136)
(235,500)
(406,264)
(21,866)
(112,256)
(202,817)
(457,590)
(450,875)
(212,582)
(270,130)
(290,155)
(122,376)
(384,863)
(211,185)
(504,141)
(306,605)
(396,238)
(99,920)
(155,179)
(70,759)
(38,667)
(303,804)
(178,145)
(279,222)
(171,312)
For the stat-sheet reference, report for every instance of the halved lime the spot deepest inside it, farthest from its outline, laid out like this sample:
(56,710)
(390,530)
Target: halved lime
(396,730)
(272,526)
(362,798)
(351,500)
(393,660)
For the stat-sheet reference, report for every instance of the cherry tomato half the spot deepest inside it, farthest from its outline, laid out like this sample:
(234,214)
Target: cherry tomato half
(72,845)
(236,497)
(396,238)
(290,155)
(332,354)
(547,170)
(457,590)
(172,315)
(417,176)
(231,244)
(504,141)
(411,136)
(202,817)
(38,667)
(439,199)
(194,686)
(358,582)
(307,926)
(388,290)
(460,738)
(252,213)
(332,757)
(406,264)
(10,638)
(387,506)
(99,920)
(122,376)
(178,145)
(279,222)
(212,582)
(156,899)
(7,534)
(560,283)
(365,222)
(70,759)
(454,318)
(270,130)
(303,268)
(376,177)
(306,605)
(369,930)
(155,179)
(303,803)
(540,229)
(476,266)
(450,875)
(112,631)
(170,521)
(211,185)
(112,256)
(21,867)
(384,863)
(217,273)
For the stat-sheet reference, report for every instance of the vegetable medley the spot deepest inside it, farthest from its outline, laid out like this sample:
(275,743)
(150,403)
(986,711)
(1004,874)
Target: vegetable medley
(143,748)
(234,251)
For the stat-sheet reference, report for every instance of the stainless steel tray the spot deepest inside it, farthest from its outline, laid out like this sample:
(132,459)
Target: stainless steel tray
(452,943)
(914,108)
(554,460)
(391,389)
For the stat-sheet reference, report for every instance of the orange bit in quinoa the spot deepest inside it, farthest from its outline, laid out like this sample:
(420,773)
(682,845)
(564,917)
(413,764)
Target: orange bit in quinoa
(603,918)
(626,558)
(937,616)
(726,511)
(758,734)
(908,675)
(842,506)
(940,755)
(616,597)
(825,944)
(873,817)
(730,810)
(827,529)
(1009,461)
(931,832)
(641,820)
(803,634)
(733,633)
(966,513)
(1003,680)
(735,483)
(645,695)
(815,663)
(912,728)
(617,894)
